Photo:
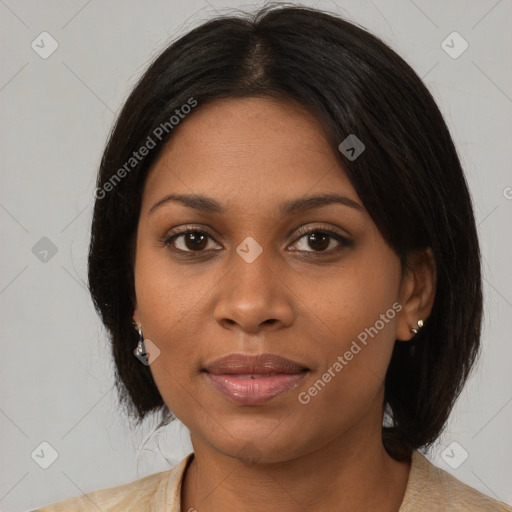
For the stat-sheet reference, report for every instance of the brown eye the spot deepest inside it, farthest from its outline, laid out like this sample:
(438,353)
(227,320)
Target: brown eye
(195,240)
(192,241)
(318,241)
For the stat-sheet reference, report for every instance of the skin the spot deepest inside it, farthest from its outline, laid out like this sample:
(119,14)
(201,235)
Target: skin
(251,155)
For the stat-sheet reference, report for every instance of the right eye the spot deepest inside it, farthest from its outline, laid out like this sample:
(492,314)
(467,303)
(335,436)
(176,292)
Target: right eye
(192,241)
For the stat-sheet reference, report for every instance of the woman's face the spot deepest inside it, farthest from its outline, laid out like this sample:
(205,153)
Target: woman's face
(251,283)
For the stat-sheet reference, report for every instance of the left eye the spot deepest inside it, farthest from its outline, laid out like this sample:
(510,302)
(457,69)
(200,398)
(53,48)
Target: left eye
(320,240)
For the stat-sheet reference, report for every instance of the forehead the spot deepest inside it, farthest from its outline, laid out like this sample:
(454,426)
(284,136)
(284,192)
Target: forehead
(248,150)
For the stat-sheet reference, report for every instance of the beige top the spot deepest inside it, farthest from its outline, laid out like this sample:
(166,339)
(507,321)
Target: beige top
(429,489)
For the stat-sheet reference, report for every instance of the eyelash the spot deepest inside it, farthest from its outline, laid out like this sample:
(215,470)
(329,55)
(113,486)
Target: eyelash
(343,241)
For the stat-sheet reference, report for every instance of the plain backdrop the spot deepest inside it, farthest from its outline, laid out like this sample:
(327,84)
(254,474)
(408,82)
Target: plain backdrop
(56,372)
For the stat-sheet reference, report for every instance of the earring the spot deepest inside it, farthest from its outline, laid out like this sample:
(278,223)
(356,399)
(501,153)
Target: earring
(416,329)
(140,350)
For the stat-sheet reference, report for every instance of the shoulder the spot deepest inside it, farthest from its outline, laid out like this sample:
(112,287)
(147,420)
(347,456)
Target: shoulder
(153,492)
(432,489)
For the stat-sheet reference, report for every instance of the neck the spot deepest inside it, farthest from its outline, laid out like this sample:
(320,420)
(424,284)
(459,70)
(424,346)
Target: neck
(351,472)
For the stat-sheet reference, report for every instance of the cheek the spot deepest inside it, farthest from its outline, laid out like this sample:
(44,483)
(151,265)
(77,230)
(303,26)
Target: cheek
(171,301)
(358,311)
(168,295)
(358,298)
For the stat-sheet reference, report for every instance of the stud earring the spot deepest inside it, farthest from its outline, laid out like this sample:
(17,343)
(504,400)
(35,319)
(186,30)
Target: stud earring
(415,330)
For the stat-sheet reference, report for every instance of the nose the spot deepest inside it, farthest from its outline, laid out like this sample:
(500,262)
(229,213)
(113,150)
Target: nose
(254,296)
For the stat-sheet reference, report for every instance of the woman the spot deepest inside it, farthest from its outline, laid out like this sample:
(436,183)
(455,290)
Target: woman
(284,253)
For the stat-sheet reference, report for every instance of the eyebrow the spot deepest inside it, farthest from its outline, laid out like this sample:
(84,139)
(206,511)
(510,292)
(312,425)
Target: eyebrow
(209,205)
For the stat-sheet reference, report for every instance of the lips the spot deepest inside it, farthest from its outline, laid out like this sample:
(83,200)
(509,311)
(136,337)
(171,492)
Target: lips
(251,380)
(261,364)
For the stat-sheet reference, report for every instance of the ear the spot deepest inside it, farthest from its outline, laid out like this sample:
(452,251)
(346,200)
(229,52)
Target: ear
(417,292)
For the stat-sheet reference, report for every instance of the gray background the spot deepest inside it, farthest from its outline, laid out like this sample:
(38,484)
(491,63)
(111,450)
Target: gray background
(57,377)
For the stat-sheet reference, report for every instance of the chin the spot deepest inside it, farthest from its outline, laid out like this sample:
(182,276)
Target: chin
(255,447)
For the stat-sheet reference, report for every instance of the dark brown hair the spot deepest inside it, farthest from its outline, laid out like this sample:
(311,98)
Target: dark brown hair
(409,178)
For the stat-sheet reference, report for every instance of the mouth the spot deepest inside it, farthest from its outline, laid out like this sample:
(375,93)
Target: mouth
(252,380)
